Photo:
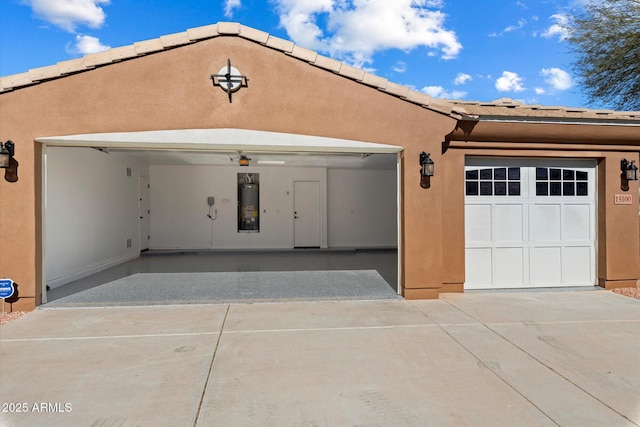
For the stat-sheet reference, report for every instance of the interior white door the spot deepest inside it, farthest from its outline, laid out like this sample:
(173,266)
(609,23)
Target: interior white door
(529,223)
(306,214)
(144,208)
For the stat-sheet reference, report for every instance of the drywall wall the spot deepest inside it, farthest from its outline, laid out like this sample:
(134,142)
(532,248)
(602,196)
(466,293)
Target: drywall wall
(362,208)
(358,207)
(90,211)
(179,207)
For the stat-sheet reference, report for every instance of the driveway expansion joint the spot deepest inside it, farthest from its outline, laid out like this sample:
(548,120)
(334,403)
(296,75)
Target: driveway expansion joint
(213,359)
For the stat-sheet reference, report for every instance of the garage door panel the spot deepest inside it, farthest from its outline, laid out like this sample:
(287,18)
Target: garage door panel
(478,260)
(576,265)
(576,223)
(546,266)
(507,223)
(542,235)
(508,267)
(546,223)
(478,223)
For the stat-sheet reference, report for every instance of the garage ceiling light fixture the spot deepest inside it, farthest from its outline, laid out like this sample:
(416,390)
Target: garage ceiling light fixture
(426,170)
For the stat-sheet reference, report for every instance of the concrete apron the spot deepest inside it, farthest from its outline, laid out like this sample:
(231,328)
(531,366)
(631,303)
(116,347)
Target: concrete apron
(500,359)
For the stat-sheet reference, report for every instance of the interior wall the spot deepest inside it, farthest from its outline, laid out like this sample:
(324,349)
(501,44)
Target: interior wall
(363,208)
(179,207)
(358,207)
(91,210)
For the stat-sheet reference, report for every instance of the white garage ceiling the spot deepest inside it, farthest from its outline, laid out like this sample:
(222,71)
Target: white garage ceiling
(208,158)
(224,146)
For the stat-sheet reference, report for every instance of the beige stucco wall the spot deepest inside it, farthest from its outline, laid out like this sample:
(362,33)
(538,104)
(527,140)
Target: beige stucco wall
(172,90)
(619,254)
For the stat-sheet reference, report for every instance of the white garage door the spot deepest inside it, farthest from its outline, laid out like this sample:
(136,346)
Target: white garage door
(530,223)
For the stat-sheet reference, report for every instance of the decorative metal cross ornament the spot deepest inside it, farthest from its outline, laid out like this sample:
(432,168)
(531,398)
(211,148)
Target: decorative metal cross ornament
(229,79)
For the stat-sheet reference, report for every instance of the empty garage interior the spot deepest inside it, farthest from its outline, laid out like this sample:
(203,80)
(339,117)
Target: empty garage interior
(178,210)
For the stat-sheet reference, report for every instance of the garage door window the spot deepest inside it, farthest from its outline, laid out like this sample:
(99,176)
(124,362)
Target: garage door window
(561,182)
(493,182)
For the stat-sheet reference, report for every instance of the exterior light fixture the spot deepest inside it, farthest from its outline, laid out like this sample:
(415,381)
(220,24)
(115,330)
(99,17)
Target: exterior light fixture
(629,173)
(8,162)
(629,169)
(229,79)
(6,154)
(426,170)
(243,160)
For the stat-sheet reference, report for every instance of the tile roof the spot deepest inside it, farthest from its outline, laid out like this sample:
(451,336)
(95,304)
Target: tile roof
(501,108)
(512,109)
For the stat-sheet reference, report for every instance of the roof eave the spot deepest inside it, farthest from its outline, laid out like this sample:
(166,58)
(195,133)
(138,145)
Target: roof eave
(604,121)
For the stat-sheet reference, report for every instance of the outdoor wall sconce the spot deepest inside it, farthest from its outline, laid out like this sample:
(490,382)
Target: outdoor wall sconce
(426,170)
(629,173)
(6,153)
(7,162)
(229,79)
(243,160)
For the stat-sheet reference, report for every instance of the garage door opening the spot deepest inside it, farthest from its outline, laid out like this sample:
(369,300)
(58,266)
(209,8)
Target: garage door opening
(530,223)
(328,205)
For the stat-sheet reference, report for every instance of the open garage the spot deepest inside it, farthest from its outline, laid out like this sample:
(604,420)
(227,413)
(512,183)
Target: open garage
(295,194)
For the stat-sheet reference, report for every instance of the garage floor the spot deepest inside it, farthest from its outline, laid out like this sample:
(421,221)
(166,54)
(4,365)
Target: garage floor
(382,261)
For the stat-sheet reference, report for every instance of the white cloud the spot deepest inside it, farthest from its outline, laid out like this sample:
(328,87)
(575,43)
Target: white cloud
(68,14)
(462,78)
(521,23)
(400,67)
(356,29)
(559,29)
(540,91)
(509,82)
(440,92)
(230,5)
(557,78)
(87,44)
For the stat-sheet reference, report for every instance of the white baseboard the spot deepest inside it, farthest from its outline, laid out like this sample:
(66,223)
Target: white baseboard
(96,268)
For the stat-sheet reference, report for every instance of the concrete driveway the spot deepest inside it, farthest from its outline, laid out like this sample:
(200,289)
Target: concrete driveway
(479,359)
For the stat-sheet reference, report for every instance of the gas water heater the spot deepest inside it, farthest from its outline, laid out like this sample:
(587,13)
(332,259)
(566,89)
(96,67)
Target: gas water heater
(248,204)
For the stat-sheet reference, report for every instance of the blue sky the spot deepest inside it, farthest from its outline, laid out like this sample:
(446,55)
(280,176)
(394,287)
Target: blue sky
(476,50)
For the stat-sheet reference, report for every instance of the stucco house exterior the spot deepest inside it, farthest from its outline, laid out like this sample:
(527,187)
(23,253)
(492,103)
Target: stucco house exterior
(521,195)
